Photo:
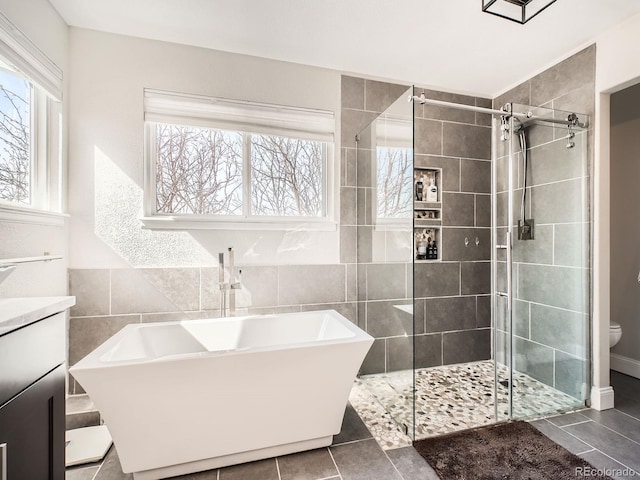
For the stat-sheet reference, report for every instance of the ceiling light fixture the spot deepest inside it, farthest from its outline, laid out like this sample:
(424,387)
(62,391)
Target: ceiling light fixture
(520,11)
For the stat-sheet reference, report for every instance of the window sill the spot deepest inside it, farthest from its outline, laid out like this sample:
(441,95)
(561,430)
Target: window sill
(177,223)
(20,214)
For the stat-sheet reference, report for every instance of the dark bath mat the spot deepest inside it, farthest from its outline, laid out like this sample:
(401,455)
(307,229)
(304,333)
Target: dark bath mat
(513,451)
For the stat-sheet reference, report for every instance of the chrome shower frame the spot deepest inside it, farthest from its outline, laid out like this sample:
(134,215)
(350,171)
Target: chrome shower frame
(504,121)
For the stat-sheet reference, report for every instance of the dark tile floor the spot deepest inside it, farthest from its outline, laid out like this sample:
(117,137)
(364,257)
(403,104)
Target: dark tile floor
(608,440)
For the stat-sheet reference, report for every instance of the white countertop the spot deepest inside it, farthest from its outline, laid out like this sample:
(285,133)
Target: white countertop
(21,311)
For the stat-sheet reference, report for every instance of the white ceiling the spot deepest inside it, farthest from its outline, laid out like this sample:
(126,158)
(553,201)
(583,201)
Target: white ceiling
(446,44)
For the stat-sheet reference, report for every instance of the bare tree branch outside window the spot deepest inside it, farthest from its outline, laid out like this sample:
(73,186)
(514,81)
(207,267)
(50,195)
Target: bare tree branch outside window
(198,171)
(15,139)
(286,176)
(394,182)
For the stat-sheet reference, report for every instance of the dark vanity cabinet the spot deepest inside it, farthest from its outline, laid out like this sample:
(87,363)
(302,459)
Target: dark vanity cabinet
(32,401)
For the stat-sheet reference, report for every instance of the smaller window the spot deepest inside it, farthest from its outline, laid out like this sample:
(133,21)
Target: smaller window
(227,163)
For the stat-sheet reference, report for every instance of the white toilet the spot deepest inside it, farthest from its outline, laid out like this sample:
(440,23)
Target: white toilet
(615,333)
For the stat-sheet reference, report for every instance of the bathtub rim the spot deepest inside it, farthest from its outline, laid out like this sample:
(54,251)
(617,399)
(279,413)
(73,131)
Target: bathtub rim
(93,360)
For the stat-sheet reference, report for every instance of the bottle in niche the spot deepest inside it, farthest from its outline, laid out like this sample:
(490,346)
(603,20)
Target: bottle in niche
(434,251)
(421,247)
(430,250)
(419,190)
(432,191)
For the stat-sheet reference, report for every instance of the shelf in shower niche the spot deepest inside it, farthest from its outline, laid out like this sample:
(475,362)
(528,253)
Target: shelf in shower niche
(428,233)
(427,222)
(427,205)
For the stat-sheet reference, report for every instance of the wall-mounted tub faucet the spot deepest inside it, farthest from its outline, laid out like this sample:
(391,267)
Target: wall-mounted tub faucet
(228,288)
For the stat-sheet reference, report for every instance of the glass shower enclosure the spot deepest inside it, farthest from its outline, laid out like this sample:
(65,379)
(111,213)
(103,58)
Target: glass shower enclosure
(536,241)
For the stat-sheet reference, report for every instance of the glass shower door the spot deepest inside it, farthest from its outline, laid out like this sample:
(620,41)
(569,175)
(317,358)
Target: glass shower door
(384,198)
(542,270)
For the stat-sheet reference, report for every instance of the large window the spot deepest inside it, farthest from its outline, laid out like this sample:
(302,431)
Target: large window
(220,163)
(201,171)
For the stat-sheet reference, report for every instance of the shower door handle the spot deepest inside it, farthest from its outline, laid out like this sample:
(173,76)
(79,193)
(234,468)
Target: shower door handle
(509,270)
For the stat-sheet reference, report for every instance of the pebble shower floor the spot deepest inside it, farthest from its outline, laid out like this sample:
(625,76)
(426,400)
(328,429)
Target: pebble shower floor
(448,399)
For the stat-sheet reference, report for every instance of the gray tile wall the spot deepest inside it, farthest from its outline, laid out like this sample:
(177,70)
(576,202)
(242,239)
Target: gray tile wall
(552,311)
(454,292)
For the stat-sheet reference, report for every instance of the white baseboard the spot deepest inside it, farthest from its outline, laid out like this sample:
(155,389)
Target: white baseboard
(601,398)
(626,365)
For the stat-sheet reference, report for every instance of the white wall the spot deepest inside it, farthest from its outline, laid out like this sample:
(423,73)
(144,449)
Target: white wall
(38,20)
(617,66)
(625,221)
(34,279)
(108,75)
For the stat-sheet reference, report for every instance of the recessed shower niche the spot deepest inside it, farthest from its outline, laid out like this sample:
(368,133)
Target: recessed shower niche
(427,213)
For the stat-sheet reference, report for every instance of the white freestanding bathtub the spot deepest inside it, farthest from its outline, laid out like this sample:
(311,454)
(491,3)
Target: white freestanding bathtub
(181,397)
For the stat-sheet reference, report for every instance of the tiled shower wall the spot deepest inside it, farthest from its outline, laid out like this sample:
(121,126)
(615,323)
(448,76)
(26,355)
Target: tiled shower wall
(452,296)
(551,313)
(453,317)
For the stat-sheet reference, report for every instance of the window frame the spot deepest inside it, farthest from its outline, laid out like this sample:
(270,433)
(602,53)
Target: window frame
(152,219)
(26,60)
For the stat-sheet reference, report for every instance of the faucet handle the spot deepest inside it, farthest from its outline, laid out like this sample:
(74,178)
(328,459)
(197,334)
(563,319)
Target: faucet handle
(237,285)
